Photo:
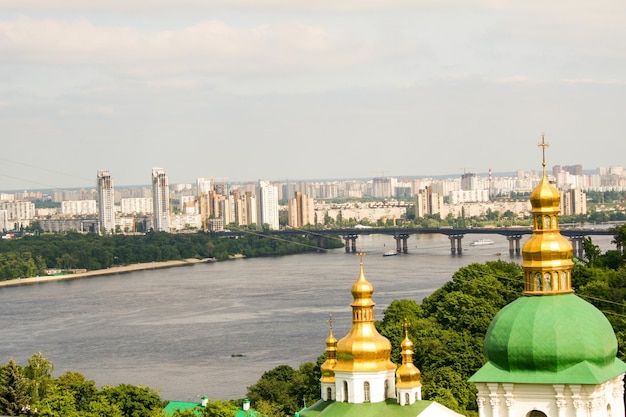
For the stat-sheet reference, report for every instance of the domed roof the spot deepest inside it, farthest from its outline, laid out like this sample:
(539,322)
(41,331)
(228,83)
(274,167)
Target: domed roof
(408,375)
(363,348)
(550,339)
(545,196)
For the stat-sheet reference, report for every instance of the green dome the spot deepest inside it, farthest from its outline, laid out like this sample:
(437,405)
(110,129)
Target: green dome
(550,339)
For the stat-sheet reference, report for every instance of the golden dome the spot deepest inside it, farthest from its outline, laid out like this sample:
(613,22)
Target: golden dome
(363,348)
(547,255)
(328,375)
(408,376)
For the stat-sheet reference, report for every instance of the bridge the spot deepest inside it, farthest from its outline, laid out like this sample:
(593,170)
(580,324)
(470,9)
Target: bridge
(401,235)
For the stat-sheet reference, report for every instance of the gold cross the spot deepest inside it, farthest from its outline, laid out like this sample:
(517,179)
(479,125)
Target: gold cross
(406,327)
(330,320)
(361,255)
(543,145)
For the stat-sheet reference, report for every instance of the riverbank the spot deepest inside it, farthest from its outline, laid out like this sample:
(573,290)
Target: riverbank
(114,270)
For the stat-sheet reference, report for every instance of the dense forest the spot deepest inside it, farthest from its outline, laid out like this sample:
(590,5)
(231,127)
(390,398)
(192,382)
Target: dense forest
(447,329)
(30,256)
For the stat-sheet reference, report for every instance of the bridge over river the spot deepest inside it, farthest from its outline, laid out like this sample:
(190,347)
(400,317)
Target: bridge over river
(401,235)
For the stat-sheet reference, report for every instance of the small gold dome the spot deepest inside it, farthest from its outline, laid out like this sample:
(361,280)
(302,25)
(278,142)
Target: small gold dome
(408,375)
(328,375)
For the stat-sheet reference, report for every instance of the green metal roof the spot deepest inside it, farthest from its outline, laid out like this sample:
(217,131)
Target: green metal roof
(387,408)
(550,339)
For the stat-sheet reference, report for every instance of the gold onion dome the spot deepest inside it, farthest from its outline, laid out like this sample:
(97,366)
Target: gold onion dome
(408,375)
(547,255)
(363,348)
(328,375)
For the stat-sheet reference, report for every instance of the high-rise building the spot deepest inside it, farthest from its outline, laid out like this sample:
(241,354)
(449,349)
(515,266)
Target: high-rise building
(267,199)
(160,200)
(106,202)
(573,202)
(301,210)
(428,202)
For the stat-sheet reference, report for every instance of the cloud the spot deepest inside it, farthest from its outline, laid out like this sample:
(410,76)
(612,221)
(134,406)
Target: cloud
(208,45)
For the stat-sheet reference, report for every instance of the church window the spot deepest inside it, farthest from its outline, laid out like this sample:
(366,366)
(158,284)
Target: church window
(329,394)
(536,413)
(386,388)
(563,280)
(546,222)
(345,391)
(547,284)
(366,391)
(538,286)
(407,399)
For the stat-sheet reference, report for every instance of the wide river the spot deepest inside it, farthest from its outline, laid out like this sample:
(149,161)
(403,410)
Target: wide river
(177,329)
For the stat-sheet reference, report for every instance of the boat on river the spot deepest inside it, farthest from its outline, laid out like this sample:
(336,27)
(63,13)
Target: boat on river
(390,253)
(482,242)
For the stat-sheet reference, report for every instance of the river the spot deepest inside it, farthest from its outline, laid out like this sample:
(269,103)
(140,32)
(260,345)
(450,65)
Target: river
(177,329)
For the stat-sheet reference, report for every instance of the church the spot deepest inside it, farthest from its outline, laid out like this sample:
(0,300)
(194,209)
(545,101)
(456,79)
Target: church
(549,353)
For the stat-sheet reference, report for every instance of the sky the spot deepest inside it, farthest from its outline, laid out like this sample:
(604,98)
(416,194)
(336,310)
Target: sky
(243,90)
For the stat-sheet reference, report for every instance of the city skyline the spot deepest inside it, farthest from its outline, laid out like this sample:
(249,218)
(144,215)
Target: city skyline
(274,89)
(193,181)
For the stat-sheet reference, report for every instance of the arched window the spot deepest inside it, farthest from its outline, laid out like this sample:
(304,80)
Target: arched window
(536,413)
(538,286)
(345,391)
(407,399)
(547,281)
(329,394)
(386,388)
(366,391)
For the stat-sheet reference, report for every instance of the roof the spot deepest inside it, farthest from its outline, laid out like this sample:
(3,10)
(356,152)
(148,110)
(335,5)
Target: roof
(550,339)
(388,408)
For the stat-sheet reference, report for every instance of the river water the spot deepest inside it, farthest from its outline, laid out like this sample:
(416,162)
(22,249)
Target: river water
(177,329)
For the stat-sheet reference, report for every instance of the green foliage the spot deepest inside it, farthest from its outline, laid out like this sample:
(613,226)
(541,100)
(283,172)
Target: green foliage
(39,373)
(219,408)
(284,389)
(449,327)
(31,255)
(133,401)
(13,389)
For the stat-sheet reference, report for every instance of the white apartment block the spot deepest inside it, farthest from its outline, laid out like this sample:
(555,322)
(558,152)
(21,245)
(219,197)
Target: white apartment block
(267,198)
(573,202)
(186,221)
(18,210)
(79,208)
(468,196)
(136,205)
(4,221)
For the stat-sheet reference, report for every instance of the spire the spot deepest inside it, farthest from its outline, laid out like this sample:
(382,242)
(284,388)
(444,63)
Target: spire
(407,374)
(331,354)
(547,255)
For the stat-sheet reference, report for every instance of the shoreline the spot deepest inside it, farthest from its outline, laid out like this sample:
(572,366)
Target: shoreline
(114,270)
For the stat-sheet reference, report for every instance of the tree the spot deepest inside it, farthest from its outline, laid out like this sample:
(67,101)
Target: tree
(39,373)
(133,401)
(281,386)
(13,389)
(219,408)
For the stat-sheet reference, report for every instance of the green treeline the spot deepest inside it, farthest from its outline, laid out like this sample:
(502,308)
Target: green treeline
(30,255)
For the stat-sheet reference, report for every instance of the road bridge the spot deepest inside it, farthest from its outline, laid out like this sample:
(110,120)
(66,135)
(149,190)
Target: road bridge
(402,234)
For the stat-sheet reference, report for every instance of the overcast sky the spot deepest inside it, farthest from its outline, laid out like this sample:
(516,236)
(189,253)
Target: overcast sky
(306,89)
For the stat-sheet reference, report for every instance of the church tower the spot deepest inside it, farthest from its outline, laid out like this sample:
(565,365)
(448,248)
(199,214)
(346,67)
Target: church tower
(408,384)
(363,371)
(550,353)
